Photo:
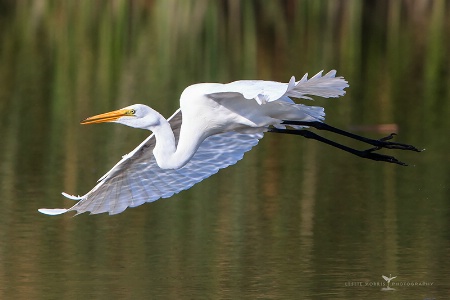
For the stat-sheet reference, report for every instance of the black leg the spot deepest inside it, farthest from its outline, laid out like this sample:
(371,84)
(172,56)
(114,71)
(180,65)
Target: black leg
(381,143)
(369,154)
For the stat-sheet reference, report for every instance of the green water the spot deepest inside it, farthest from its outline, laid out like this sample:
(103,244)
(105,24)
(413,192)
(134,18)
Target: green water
(295,219)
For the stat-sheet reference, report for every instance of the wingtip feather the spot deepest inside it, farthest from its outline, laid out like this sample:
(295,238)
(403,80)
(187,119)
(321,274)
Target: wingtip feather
(52,211)
(71,197)
(304,79)
(318,75)
(330,74)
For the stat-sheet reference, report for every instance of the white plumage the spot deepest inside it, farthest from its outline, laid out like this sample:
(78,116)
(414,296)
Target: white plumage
(215,125)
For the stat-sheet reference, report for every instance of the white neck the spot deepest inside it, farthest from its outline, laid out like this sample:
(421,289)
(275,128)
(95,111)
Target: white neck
(168,155)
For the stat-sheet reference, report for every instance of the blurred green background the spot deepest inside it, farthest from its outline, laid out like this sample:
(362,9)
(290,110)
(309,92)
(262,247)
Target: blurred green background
(294,219)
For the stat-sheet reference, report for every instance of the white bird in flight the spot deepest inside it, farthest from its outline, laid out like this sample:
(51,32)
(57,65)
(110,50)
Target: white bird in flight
(213,128)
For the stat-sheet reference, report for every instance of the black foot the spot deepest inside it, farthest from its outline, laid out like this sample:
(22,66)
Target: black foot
(389,137)
(369,154)
(378,144)
(383,143)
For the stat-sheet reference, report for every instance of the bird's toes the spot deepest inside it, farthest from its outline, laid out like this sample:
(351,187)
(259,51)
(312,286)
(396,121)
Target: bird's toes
(381,157)
(389,137)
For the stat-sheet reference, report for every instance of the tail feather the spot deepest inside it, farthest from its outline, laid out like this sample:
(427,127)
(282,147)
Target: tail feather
(286,109)
(307,114)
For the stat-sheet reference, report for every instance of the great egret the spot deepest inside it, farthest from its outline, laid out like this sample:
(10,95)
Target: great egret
(213,128)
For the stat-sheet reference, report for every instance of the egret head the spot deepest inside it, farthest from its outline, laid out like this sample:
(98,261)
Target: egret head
(136,115)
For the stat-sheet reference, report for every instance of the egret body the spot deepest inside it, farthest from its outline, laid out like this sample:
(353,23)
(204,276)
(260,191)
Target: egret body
(213,128)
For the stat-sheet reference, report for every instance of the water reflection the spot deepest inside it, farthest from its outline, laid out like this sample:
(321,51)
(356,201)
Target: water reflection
(293,219)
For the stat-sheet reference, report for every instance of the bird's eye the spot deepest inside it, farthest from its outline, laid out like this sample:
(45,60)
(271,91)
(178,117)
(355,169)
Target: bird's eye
(131,112)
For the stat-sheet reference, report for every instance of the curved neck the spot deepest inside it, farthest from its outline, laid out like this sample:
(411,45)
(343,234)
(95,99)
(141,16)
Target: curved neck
(167,154)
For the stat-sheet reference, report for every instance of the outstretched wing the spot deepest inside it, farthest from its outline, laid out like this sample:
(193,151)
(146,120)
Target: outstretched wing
(326,86)
(137,178)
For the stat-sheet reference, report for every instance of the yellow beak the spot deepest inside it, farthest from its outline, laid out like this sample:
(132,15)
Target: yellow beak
(107,117)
